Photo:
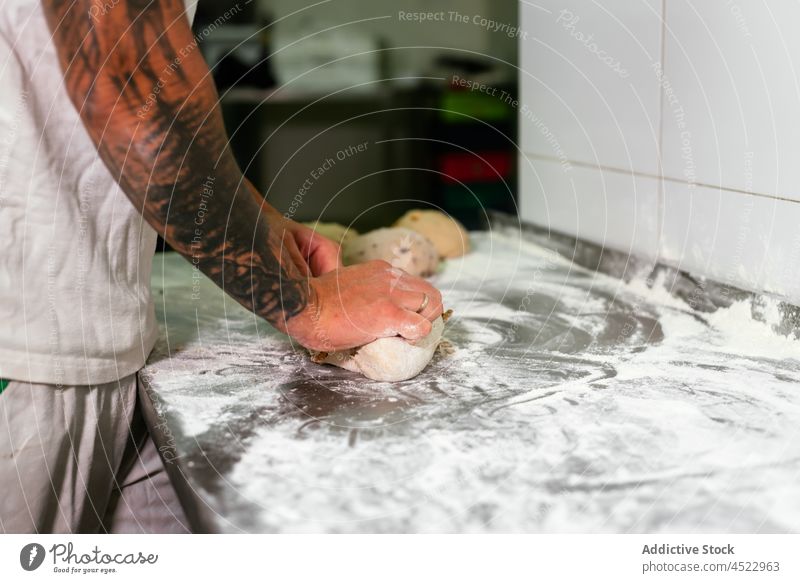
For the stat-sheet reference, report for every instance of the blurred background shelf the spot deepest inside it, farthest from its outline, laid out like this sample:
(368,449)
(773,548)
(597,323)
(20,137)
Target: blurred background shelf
(302,87)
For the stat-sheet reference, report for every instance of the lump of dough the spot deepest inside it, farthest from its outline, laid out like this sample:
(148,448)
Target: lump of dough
(338,233)
(388,359)
(403,248)
(448,235)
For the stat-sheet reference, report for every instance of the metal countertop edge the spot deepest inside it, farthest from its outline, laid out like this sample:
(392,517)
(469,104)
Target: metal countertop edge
(195,509)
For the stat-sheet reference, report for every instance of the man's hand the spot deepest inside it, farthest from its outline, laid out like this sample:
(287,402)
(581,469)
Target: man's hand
(352,306)
(355,305)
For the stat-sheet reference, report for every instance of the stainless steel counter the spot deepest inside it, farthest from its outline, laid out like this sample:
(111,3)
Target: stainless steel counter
(563,401)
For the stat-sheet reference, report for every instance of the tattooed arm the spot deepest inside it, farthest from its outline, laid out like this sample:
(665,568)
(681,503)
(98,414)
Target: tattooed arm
(134,72)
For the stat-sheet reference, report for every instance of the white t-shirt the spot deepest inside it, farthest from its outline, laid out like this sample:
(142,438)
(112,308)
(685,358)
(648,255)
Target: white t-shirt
(75,256)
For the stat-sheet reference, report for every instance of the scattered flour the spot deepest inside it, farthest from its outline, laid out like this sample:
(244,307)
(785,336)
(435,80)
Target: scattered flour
(562,413)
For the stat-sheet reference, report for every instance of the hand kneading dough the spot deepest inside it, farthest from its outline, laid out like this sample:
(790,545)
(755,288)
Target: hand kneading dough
(448,235)
(403,248)
(335,231)
(389,359)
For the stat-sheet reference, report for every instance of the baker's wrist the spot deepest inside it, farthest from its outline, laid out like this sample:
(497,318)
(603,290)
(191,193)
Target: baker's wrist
(305,325)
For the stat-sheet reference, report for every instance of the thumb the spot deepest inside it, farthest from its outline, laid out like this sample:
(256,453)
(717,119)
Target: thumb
(323,254)
(325,257)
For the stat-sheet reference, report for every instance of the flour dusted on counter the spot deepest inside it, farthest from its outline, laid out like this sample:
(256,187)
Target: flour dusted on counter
(571,401)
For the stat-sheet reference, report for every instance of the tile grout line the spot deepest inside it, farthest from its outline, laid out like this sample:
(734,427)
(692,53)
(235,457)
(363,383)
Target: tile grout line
(615,170)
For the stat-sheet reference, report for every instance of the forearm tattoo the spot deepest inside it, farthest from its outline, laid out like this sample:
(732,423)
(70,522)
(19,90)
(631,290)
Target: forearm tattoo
(133,70)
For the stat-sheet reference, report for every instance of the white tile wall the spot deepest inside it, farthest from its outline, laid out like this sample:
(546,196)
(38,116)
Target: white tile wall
(749,242)
(609,208)
(734,120)
(589,92)
(730,118)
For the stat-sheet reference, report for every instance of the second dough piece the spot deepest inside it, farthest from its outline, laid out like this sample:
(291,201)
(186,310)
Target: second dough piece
(448,235)
(403,248)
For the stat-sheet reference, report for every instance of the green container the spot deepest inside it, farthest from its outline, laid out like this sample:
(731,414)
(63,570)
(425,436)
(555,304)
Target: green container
(463,106)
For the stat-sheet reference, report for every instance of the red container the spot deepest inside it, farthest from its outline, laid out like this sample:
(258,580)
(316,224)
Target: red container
(475,167)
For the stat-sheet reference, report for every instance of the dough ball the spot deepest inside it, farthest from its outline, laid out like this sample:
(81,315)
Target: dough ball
(448,235)
(388,359)
(403,248)
(335,231)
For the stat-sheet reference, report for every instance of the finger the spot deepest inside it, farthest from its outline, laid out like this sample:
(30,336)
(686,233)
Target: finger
(411,325)
(418,287)
(434,308)
(411,301)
